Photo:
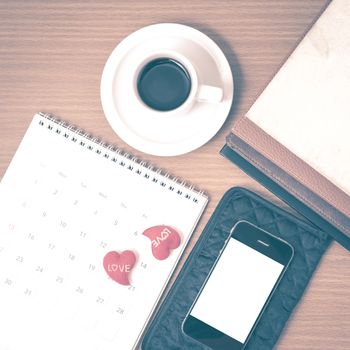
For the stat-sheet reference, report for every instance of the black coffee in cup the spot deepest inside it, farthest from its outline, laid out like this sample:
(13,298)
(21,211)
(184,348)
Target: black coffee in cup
(164,84)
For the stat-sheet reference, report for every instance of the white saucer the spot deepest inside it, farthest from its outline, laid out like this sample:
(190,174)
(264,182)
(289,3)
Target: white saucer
(155,133)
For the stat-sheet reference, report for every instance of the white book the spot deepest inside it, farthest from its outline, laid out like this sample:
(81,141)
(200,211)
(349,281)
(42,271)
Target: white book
(306,106)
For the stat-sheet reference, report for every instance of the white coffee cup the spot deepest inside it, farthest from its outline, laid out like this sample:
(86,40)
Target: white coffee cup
(199,92)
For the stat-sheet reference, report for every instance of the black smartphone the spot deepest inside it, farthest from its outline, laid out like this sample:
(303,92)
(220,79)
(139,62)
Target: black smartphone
(238,288)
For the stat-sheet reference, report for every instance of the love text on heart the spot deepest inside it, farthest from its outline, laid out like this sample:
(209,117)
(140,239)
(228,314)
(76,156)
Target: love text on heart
(117,267)
(164,234)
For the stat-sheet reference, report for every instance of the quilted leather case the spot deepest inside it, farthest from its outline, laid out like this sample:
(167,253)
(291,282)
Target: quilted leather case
(239,204)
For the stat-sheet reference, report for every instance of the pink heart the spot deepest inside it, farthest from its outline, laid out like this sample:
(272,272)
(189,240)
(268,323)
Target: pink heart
(118,266)
(164,239)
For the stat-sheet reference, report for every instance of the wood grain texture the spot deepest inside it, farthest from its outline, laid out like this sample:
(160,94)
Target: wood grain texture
(51,58)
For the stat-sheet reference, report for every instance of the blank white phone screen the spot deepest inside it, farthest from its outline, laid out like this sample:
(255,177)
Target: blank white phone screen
(237,290)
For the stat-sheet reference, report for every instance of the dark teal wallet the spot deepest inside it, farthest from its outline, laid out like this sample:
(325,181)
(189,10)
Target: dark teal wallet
(309,244)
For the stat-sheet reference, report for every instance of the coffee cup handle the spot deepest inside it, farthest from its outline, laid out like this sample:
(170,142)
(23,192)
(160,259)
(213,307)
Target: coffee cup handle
(211,94)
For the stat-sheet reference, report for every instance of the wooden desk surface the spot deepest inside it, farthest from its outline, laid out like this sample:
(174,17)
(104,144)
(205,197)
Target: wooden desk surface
(51,58)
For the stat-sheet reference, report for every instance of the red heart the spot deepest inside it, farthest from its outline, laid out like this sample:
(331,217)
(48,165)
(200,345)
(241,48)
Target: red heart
(118,266)
(164,238)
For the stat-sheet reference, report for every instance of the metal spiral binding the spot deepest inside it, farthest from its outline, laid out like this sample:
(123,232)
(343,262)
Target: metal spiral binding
(113,153)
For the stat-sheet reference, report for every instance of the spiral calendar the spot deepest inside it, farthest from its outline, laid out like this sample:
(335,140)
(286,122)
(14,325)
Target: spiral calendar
(89,238)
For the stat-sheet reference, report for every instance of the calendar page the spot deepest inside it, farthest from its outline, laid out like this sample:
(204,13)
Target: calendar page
(88,241)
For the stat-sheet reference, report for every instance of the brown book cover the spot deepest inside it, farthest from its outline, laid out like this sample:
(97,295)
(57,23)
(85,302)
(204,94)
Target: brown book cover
(297,131)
